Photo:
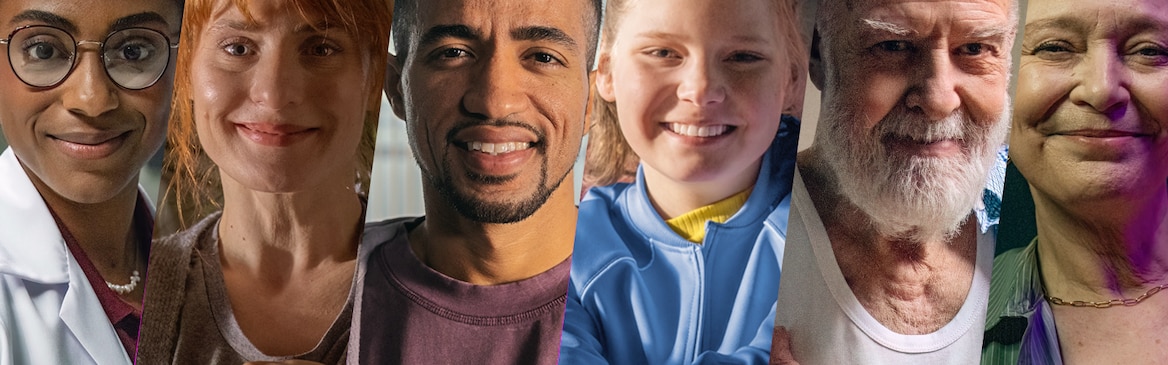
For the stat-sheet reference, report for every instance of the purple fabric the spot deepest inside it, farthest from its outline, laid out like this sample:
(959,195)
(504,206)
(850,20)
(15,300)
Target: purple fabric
(411,314)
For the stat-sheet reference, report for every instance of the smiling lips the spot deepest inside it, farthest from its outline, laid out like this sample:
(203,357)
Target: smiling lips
(90,145)
(702,131)
(272,134)
(494,149)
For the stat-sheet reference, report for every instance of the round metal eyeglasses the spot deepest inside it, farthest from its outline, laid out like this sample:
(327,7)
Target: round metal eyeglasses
(43,56)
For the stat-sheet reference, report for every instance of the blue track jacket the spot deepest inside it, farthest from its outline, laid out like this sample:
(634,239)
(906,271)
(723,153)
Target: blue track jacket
(641,294)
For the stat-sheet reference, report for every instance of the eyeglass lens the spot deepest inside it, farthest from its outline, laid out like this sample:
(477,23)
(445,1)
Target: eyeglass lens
(43,56)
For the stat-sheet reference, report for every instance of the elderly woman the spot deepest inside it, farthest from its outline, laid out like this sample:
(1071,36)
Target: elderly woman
(83,102)
(1089,135)
(280,96)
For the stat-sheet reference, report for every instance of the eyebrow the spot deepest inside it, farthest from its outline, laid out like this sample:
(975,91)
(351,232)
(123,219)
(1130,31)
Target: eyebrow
(440,32)
(44,17)
(138,19)
(883,26)
(997,33)
(542,33)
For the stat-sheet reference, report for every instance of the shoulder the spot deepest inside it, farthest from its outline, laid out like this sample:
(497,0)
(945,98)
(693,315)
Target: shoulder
(186,240)
(386,232)
(606,235)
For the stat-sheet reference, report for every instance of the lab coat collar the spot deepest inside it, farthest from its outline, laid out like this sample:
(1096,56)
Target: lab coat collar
(31,246)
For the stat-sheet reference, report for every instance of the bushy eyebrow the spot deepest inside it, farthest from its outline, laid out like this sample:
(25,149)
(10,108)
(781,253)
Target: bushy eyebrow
(58,21)
(440,32)
(138,19)
(542,33)
(888,27)
(44,17)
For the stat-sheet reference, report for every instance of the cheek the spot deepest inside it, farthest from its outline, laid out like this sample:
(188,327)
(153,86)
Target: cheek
(873,95)
(1149,93)
(1038,90)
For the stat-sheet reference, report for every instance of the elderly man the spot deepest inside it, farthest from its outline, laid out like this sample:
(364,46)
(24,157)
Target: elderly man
(885,257)
(493,95)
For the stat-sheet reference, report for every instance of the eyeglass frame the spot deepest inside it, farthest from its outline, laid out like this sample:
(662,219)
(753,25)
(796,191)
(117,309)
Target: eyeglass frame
(77,51)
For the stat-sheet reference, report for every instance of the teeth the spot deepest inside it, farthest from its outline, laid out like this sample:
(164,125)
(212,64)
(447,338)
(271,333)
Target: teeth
(696,131)
(497,148)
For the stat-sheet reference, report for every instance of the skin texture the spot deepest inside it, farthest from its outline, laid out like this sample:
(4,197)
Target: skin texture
(1089,136)
(704,64)
(83,142)
(482,76)
(912,65)
(278,111)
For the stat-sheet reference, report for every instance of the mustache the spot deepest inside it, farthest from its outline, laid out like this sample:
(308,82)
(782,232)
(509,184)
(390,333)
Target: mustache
(917,128)
(540,135)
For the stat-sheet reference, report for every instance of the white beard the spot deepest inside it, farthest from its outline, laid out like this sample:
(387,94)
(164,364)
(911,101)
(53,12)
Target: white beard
(918,198)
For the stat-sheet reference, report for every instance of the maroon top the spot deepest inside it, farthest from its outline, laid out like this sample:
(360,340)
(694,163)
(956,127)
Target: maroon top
(411,314)
(125,318)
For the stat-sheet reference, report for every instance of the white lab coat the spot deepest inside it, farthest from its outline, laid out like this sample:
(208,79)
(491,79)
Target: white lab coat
(49,313)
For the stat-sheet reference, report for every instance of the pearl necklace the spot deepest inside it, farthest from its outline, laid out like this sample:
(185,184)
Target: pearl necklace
(123,289)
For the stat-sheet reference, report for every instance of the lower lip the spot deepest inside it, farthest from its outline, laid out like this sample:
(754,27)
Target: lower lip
(273,139)
(942,148)
(91,151)
(503,164)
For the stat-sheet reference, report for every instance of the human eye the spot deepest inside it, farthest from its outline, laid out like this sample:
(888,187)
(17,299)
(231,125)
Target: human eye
(662,53)
(44,48)
(893,46)
(975,49)
(745,57)
(322,48)
(451,55)
(545,58)
(1051,47)
(1151,54)
(133,50)
(237,47)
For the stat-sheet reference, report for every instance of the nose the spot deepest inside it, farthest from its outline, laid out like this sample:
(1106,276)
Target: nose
(277,80)
(700,85)
(934,87)
(497,89)
(88,90)
(1101,82)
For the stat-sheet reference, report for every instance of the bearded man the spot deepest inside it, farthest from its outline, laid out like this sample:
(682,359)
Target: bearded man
(885,257)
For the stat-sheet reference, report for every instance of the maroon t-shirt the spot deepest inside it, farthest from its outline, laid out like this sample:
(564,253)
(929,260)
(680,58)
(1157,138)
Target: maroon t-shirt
(125,318)
(411,314)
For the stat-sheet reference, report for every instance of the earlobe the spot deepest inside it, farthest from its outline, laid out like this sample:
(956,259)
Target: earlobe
(604,78)
(393,87)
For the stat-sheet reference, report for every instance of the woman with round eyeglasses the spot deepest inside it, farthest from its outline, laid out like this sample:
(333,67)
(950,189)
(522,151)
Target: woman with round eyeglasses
(1090,135)
(275,104)
(83,104)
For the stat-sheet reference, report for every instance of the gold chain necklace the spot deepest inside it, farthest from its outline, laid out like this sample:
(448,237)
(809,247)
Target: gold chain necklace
(1108,303)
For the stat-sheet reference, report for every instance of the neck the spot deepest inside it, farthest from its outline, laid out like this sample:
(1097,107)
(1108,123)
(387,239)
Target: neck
(1105,251)
(681,197)
(912,286)
(489,254)
(275,233)
(107,239)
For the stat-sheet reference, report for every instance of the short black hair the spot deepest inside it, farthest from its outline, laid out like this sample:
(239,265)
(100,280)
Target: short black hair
(405,17)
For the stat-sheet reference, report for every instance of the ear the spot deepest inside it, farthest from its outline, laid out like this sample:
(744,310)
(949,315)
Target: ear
(589,104)
(393,87)
(604,78)
(815,63)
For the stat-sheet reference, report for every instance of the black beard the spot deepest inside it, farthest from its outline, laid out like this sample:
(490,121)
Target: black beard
(477,210)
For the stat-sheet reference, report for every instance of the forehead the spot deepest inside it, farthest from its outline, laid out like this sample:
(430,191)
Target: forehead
(502,16)
(921,16)
(749,21)
(91,18)
(1092,16)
